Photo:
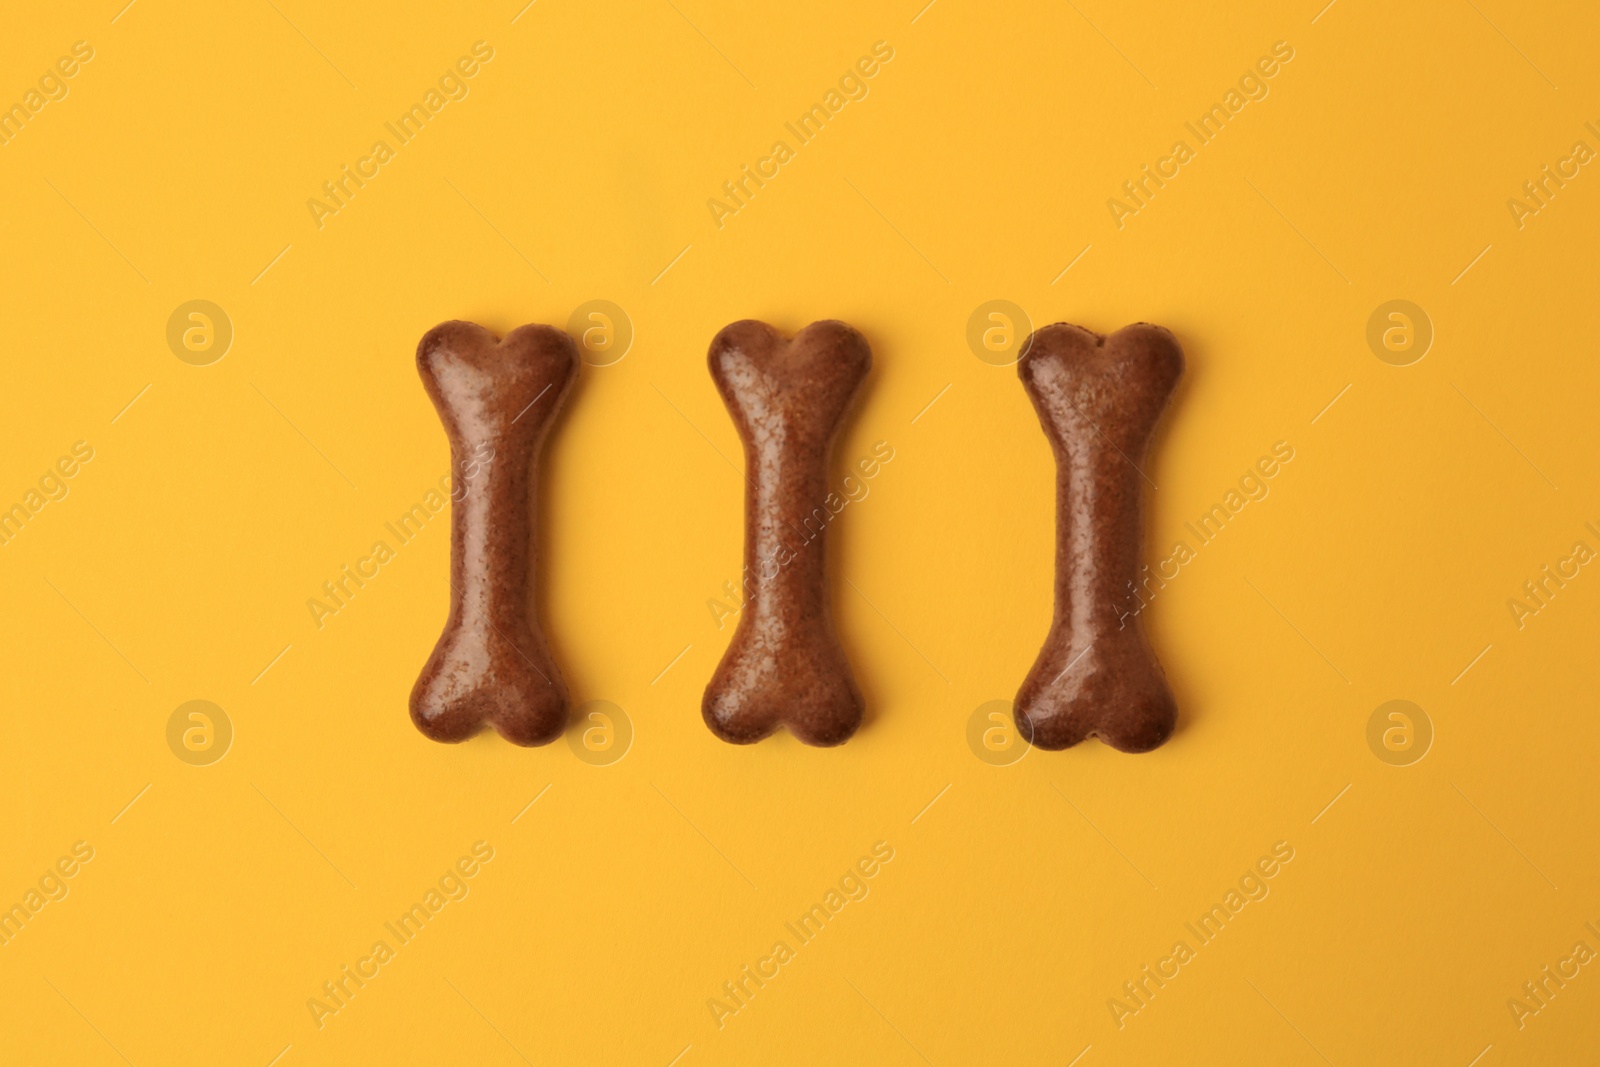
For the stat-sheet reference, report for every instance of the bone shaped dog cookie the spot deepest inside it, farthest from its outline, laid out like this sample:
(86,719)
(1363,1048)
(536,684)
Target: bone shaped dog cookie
(492,663)
(1099,399)
(785,665)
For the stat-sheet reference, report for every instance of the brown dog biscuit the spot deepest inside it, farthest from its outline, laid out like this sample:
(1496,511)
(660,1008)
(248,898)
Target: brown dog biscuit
(1099,399)
(785,664)
(492,663)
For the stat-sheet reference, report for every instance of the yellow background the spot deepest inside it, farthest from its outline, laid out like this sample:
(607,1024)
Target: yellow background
(978,168)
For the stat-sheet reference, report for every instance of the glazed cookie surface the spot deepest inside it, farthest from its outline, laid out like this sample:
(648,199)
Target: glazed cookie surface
(1099,399)
(785,665)
(492,664)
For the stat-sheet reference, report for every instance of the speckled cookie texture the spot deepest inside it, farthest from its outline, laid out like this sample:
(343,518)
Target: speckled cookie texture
(1099,399)
(492,664)
(785,665)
